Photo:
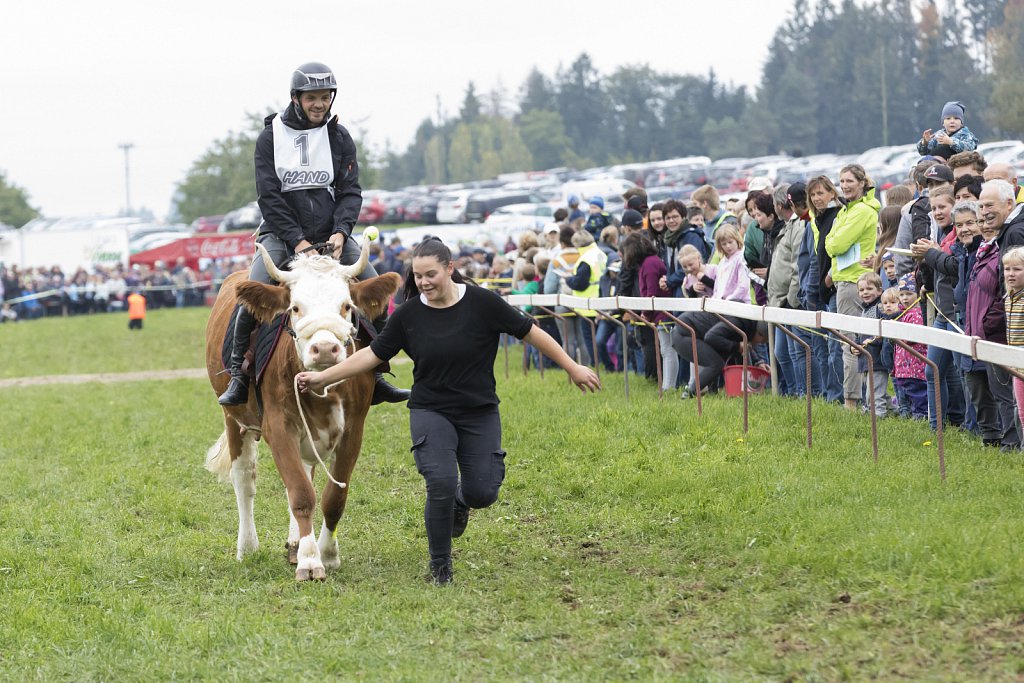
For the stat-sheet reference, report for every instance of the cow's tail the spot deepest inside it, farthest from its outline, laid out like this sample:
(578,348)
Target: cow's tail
(218,458)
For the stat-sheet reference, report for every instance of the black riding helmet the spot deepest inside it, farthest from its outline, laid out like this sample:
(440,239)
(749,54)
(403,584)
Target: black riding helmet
(312,76)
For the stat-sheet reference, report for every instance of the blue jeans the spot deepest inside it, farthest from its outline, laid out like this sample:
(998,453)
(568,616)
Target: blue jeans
(954,404)
(605,331)
(788,385)
(585,339)
(819,359)
(833,363)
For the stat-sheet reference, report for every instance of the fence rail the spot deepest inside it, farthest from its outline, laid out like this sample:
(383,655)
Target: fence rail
(974,347)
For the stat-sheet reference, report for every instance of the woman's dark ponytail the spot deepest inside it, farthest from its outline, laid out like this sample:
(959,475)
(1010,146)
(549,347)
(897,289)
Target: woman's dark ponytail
(434,248)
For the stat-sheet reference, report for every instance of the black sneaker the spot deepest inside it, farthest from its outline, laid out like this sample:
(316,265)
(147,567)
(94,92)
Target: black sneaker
(441,571)
(461,518)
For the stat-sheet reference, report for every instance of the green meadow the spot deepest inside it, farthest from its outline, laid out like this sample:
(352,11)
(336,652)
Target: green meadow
(633,539)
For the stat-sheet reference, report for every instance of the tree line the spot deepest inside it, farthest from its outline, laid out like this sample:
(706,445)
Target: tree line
(840,77)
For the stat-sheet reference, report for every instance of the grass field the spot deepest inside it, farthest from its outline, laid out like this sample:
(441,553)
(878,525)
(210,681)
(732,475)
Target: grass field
(632,540)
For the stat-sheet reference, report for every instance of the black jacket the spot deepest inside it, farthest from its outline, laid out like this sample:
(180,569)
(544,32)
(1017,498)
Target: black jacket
(313,215)
(939,272)
(1012,235)
(820,295)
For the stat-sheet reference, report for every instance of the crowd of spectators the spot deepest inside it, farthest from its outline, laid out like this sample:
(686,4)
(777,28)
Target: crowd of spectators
(32,293)
(929,251)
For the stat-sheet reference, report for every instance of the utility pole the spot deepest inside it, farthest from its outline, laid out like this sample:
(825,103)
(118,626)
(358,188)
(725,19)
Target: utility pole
(444,142)
(127,146)
(885,103)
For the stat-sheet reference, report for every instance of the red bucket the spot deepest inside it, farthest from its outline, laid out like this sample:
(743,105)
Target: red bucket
(757,379)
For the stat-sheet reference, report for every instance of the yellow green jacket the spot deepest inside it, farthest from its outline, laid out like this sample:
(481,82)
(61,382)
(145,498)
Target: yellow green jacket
(856,223)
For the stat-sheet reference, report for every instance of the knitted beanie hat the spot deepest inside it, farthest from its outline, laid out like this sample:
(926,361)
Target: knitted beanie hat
(953,109)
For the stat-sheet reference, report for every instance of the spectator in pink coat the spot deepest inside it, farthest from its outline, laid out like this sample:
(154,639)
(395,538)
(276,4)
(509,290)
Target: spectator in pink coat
(639,252)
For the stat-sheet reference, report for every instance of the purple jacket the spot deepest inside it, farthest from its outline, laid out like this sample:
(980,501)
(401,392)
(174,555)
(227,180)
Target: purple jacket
(985,316)
(651,270)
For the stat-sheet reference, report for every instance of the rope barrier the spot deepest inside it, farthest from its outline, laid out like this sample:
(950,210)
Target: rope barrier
(113,291)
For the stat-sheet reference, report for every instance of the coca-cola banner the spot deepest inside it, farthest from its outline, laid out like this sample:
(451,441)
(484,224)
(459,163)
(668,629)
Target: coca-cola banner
(192,249)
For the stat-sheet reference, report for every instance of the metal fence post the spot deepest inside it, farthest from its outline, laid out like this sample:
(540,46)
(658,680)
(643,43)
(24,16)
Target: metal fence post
(871,388)
(745,353)
(938,402)
(807,357)
(625,348)
(696,363)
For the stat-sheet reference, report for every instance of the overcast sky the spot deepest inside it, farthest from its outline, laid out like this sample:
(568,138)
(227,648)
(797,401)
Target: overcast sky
(78,79)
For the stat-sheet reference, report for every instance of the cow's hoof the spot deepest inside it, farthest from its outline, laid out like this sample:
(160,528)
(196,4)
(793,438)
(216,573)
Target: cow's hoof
(310,574)
(292,550)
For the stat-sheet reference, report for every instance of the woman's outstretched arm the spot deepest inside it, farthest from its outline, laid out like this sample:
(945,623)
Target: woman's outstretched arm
(582,376)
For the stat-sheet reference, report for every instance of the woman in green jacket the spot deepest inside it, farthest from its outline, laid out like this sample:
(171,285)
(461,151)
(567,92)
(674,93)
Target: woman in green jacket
(852,239)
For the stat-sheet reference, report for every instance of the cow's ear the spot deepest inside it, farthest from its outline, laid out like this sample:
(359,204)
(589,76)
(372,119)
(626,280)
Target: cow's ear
(263,301)
(371,297)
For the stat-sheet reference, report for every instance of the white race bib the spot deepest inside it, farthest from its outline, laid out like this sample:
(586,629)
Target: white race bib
(302,158)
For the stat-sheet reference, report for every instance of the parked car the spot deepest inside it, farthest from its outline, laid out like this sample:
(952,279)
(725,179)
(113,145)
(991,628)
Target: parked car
(154,239)
(451,207)
(528,216)
(411,208)
(482,204)
(394,207)
(247,217)
(1001,152)
(428,209)
(992,151)
(602,187)
(206,223)
(373,209)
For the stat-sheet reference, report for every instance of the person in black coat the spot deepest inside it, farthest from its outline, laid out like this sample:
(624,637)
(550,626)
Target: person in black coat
(307,184)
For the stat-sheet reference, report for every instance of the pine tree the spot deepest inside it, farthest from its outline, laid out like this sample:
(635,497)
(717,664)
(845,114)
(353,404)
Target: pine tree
(470,109)
(1008,59)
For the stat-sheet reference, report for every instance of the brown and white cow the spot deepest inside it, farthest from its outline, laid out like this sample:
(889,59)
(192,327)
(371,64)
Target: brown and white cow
(322,302)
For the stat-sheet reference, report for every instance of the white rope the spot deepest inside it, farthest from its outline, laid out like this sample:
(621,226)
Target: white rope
(309,435)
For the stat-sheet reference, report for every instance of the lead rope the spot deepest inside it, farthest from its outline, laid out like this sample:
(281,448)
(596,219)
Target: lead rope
(312,443)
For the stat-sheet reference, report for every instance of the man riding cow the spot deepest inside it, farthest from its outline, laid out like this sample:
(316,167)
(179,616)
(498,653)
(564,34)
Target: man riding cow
(321,303)
(307,184)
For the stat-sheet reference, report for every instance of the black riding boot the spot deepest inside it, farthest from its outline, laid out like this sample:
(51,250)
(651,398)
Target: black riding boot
(237,392)
(383,391)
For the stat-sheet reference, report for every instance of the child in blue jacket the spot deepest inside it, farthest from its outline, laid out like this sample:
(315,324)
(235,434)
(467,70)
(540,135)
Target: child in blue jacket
(954,137)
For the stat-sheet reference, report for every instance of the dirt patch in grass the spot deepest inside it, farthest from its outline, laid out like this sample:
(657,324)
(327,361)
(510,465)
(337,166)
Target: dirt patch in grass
(105,377)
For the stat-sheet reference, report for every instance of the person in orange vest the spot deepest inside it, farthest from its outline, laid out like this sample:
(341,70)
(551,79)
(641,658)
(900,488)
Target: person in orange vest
(136,310)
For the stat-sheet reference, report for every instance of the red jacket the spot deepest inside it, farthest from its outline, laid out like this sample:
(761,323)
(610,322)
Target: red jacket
(985,316)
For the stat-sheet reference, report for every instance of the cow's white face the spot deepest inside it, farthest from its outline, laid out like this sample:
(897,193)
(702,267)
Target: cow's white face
(320,305)
(321,314)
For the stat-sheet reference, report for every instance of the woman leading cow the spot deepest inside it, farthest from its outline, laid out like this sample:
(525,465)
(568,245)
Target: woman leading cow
(451,332)
(307,184)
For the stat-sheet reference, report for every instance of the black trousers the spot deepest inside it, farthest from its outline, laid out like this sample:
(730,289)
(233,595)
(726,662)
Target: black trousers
(446,446)
(716,342)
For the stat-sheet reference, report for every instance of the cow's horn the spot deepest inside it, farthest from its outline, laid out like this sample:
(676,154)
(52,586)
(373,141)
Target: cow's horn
(359,266)
(285,276)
